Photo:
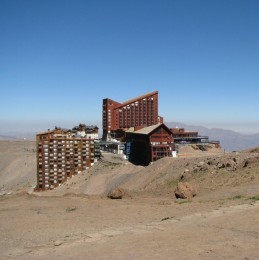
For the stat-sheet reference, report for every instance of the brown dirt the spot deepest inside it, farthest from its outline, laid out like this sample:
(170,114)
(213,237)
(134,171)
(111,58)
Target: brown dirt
(17,166)
(78,221)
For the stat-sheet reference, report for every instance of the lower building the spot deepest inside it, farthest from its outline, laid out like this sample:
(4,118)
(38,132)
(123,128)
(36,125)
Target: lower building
(149,144)
(181,136)
(60,156)
(189,137)
(112,147)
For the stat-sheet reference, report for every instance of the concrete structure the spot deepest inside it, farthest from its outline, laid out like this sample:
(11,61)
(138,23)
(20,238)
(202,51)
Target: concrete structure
(189,137)
(181,136)
(139,112)
(60,156)
(112,147)
(149,144)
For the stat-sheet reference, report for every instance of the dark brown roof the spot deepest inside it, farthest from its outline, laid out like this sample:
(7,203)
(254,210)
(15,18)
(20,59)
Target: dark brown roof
(147,130)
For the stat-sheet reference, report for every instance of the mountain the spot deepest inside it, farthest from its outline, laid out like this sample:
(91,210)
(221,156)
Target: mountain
(229,140)
(7,138)
(17,136)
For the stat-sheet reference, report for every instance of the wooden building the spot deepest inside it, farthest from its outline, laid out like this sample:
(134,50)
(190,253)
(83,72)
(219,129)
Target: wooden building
(149,144)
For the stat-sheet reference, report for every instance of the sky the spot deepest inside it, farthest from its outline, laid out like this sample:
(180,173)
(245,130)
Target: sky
(60,58)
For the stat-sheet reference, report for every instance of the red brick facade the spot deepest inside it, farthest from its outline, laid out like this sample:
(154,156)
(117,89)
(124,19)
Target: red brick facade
(138,112)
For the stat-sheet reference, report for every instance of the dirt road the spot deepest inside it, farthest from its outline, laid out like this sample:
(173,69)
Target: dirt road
(139,228)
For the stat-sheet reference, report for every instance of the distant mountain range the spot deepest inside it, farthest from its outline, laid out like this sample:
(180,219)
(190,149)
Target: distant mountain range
(229,140)
(17,136)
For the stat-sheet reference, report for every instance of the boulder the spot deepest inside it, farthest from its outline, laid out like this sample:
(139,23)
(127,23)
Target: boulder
(250,160)
(231,163)
(186,175)
(201,166)
(211,162)
(117,193)
(184,190)
(221,165)
(58,243)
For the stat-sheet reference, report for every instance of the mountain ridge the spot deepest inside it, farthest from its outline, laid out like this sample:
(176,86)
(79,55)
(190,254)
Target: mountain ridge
(229,139)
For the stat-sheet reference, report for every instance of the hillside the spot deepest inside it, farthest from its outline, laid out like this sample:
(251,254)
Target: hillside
(78,221)
(18,172)
(17,166)
(231,173)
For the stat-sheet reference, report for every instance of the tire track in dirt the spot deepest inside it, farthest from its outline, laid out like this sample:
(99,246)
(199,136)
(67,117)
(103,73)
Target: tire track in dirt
(199,220)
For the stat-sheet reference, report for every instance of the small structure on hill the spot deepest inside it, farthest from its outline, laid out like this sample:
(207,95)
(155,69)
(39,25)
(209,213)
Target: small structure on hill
(82,130)
(149,144)
(182,136)
(112,147)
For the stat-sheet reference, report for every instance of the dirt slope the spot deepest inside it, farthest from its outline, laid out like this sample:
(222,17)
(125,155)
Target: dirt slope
(77,220)
(17,166)
(208,170)
(225,172)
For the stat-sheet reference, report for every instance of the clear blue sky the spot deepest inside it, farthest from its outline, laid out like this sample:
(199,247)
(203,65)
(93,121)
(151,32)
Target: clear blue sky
(59,59)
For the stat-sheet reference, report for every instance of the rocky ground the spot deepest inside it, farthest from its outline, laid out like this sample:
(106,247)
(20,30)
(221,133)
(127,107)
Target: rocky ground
(78,221)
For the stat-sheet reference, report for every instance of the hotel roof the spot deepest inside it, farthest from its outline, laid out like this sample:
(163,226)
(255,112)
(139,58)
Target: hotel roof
(138,98)
(146,130)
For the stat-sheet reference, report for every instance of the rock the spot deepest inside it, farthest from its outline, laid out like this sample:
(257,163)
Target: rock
(204,168)
(221,165)
(201,164)
(195,147)
(2,193)
(196,169)
(117,193)
(184,190)
(211,162)
(231,163)
(186,175)
(251,160)
(58,243)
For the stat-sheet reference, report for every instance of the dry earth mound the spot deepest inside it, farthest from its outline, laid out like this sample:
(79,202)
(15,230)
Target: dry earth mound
(225,172)
(208,172)
(17,166)
(75,222)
